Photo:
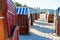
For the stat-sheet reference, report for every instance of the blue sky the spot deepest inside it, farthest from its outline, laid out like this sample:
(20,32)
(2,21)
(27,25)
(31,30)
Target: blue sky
(43,4)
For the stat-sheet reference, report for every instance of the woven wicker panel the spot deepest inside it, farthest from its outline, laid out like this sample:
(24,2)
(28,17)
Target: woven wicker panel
(51,18)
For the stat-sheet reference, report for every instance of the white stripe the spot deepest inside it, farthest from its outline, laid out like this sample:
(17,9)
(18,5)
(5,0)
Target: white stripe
(59,13)
(10,11)
(25,11)
(18,10)
(2,17)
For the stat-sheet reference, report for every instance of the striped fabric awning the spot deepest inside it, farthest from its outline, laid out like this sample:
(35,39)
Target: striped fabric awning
(22,10)
(31,11)
(51,12)
(59,11)
(57,14)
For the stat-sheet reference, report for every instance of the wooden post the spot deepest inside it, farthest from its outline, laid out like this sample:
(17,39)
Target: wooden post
(1,29)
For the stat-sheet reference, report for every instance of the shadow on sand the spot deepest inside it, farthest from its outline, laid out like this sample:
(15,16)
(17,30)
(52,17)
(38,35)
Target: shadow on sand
(43,29)
(40,23)
(33,37)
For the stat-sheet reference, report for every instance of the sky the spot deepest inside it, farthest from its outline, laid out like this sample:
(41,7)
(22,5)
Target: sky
(42,4)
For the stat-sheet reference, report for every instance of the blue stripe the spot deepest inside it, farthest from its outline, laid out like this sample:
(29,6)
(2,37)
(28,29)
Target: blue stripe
(20,10)
(57,14)
(26,11)
(17,10)
(23,11)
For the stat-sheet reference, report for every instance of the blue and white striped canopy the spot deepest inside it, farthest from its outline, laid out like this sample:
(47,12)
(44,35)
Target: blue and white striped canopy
(22,10)
(57,13)
(31,11)
(51,12)
(35,10)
